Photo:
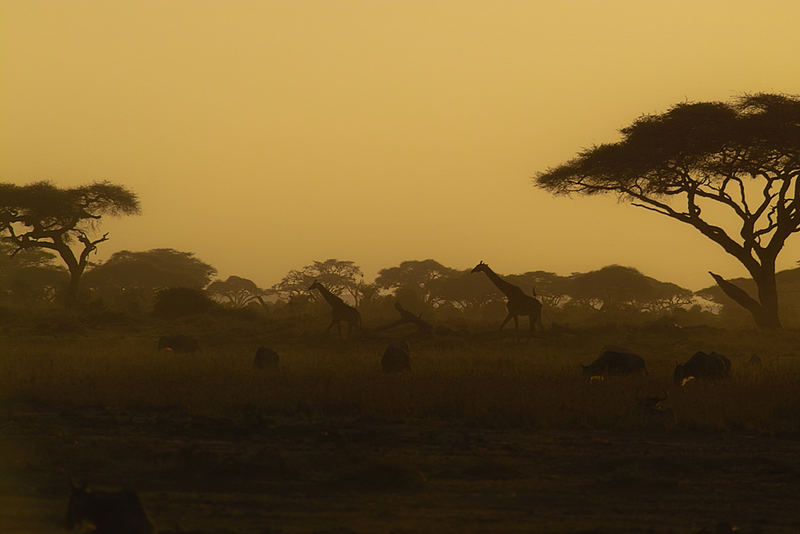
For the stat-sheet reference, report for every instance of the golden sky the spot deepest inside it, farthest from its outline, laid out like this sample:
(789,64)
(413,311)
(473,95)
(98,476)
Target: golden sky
(263,135)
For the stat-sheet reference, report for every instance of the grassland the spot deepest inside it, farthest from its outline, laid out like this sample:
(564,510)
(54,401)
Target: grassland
(483,435)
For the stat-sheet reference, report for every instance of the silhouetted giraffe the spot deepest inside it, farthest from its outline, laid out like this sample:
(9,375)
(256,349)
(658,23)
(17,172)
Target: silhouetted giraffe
(340,310)
(518,302)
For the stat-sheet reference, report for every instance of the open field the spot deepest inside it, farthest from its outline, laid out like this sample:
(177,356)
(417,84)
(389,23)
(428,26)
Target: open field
(483,435)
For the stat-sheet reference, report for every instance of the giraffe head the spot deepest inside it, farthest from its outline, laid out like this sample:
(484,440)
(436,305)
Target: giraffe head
(480,267)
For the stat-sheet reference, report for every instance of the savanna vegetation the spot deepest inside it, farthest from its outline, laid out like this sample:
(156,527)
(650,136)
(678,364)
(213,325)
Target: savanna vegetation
(483,434)
(486,432)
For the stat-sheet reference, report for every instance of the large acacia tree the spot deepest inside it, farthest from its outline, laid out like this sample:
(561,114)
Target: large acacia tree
(41,215)
(730,170)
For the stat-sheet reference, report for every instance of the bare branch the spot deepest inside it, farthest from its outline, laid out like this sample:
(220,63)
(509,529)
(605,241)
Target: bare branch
(89,246)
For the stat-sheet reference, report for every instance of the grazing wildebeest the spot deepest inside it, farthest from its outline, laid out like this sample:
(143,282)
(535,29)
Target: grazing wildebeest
(396,358)
(615,362)
(702,366)
(265,357)
(111,512)
(178,343)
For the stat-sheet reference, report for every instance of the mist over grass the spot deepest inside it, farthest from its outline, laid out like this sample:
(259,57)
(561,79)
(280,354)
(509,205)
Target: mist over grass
(484,378)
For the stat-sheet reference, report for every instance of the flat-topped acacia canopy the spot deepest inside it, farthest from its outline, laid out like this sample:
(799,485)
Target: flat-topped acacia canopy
(742,156)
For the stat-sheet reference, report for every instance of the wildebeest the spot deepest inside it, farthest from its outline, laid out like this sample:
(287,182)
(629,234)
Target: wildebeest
(265,357)
(702,366)
(396,358)
(110,512)
(178,343)
(615,362)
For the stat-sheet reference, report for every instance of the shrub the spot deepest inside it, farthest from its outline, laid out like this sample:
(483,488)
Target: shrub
(179,301)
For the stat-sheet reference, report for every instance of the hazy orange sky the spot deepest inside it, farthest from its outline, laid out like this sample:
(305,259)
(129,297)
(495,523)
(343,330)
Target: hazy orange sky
(264,135)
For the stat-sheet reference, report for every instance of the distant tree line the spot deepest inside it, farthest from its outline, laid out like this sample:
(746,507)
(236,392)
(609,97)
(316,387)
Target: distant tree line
(169,281)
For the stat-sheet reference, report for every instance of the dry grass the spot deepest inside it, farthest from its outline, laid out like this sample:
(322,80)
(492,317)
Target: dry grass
(489,382)
(483,435)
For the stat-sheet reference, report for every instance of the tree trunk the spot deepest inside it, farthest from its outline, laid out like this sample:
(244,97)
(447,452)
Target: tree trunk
(765,309)
(768,296)
(71,300)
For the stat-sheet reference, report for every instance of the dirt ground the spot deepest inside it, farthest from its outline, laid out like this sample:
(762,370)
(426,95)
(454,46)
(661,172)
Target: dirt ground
(252,474)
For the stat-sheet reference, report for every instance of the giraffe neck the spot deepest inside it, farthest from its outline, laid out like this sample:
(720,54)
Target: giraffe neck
(510,290)
(329,297)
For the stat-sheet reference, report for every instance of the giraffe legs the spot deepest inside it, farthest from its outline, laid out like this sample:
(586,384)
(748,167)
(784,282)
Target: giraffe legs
(338,327)
(338,323)
(516,323)
(531,327)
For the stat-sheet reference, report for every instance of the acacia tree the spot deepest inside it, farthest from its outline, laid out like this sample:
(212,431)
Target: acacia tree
(461,290)
(615,287)
(238,292)
(41,215)
(707,164)
(415,275)
(339,276)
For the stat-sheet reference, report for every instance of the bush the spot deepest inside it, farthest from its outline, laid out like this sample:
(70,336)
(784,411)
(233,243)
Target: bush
(180,301)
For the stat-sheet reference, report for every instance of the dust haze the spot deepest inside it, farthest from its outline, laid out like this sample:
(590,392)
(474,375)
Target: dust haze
(371,132)
(399,267)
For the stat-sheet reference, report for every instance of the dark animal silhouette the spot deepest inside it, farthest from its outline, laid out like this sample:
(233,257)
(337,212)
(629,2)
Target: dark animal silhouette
(178,343)
(265,357)
(396,358)
(615,362)
(657,408)
(652,402)
(111,512)
(406,317)
(702,366)
(340,310)
(517,302)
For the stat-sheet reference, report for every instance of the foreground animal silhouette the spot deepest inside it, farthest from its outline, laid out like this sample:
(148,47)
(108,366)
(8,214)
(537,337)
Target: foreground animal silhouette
(615,362)
(265,357)
(178,343)
(702,366)
(111,512)
(396,358)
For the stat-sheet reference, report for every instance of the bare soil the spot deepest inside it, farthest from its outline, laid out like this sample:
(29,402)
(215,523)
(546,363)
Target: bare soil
(252,474)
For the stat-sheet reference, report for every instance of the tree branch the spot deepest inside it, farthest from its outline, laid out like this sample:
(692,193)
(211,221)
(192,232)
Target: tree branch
(88,246)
